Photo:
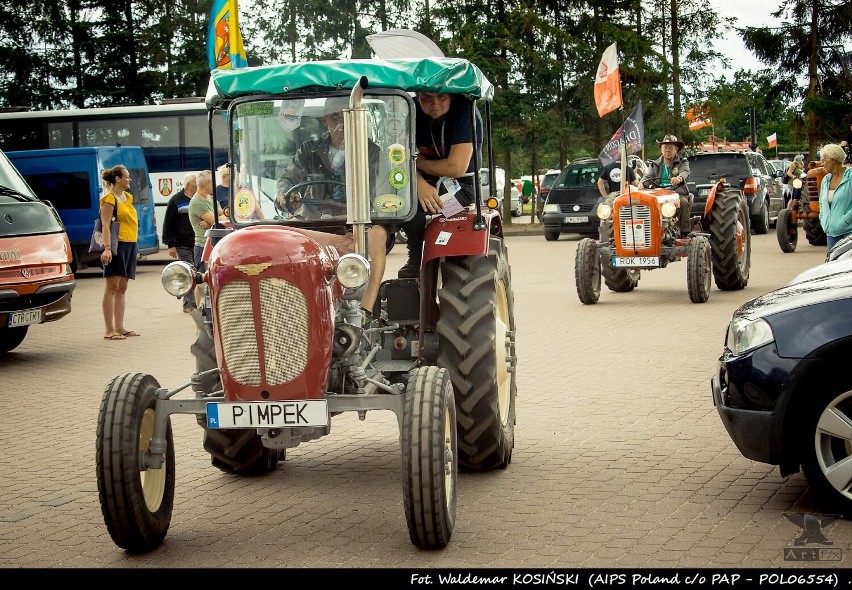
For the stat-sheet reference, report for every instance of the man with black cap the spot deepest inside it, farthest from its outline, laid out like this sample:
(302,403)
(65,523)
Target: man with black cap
(669,171)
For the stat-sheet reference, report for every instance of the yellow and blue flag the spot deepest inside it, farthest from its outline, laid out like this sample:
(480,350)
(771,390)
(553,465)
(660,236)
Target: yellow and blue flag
(224,41)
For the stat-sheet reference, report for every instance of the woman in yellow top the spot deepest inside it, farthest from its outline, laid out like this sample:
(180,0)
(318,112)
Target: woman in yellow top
(118,269)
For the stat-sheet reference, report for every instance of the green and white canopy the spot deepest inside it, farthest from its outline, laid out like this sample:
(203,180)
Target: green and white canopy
(425,74)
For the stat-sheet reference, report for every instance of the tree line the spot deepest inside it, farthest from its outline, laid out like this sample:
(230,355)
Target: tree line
(541,55)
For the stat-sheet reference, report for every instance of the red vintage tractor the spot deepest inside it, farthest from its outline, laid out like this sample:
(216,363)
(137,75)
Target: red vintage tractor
(283,345)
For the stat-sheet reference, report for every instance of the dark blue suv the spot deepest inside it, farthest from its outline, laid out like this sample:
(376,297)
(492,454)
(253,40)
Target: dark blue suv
(781,387)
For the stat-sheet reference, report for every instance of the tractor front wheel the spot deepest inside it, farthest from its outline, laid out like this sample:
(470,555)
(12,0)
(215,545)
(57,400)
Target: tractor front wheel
(698,269)
(136,500)
(429,457)
(587,271)
(787,234)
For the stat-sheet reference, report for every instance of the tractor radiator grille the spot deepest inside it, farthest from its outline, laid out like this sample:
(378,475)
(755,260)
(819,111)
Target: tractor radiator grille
(640,213)
(284,314)
(813,188)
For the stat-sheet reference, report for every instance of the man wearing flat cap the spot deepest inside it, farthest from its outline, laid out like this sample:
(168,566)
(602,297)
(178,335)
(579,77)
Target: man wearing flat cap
(669,171)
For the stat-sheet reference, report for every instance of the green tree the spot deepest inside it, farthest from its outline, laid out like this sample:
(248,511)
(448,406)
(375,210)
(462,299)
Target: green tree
(803,52)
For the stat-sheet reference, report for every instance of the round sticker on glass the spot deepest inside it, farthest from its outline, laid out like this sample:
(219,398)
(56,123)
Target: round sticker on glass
(245,204)
(396,154)
(398,178)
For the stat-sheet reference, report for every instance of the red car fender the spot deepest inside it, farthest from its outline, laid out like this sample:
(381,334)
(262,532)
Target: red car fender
(456,236)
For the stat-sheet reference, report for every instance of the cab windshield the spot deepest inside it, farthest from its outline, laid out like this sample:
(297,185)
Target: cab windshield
(290,158)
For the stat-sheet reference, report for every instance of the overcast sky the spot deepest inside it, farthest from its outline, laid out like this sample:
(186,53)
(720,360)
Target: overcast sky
(749,13)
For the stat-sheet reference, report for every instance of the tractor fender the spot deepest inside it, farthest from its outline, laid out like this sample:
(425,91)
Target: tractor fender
(460,235)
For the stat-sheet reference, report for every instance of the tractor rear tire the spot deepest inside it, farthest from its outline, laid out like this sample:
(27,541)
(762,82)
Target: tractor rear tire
(620,280)
(238,451)
(787,236)
(698,269)
(728,220)
(587,271)
(476,344)
(814,232)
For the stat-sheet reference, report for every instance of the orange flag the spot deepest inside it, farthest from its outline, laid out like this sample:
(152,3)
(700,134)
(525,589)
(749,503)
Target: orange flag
(608,83)
(697,118)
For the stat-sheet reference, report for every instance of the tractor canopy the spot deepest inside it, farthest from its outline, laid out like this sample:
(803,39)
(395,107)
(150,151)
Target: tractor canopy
(431,74)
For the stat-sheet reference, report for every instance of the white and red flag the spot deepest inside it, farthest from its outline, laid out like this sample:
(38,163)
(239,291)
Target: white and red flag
(773,140)
(608,83)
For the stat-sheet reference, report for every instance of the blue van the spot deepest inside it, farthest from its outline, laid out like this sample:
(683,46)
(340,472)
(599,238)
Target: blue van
(70,178)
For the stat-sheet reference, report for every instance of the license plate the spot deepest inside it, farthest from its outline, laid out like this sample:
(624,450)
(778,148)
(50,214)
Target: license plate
(633,261)
(280,414)
(576,220)
(24,318)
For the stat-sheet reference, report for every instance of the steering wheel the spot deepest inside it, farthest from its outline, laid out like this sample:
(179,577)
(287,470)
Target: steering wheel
(297,188)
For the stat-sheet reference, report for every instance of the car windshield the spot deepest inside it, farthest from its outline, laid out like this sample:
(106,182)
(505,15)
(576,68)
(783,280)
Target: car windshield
(711,167)
(547,179)
(582,175)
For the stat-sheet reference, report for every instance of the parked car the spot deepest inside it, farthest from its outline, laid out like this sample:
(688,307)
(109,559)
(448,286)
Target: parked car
(779,386)
(748,171)
(36,282)
(546,181)
(571,205)
(842,249)
(516,205)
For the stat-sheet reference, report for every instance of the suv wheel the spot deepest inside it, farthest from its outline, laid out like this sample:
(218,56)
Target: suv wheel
(826,444)
(761,222)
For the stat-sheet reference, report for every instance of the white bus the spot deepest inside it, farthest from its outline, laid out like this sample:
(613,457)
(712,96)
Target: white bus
(174,138)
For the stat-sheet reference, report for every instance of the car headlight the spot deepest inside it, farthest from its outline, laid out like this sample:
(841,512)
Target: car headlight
(550,209)
(745,334)
(604,211)
(178,278)
(352,271)
(668,210)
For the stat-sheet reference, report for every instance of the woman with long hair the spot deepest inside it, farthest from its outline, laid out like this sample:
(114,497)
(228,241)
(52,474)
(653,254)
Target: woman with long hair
(118,269)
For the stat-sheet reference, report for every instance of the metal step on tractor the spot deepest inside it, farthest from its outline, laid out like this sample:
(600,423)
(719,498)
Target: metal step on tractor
(639,231)
(283,345)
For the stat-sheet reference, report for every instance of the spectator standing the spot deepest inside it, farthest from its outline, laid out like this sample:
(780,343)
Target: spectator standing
(222,189)
(118,269)
(201,218)
(178,233)
(835,195)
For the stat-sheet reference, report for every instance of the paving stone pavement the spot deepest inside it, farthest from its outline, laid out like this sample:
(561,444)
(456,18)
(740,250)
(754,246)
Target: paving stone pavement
(620,460)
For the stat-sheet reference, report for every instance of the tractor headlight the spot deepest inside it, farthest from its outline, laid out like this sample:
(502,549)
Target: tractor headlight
(352,271)
(604,211)
(178,278)
(668,210)
(745,334)
(797,183)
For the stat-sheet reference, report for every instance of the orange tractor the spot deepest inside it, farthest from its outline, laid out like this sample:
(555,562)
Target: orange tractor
(804,207)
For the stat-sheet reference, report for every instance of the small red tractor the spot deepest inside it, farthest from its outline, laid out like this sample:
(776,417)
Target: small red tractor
(282,343)
(804,207)
(639,231)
